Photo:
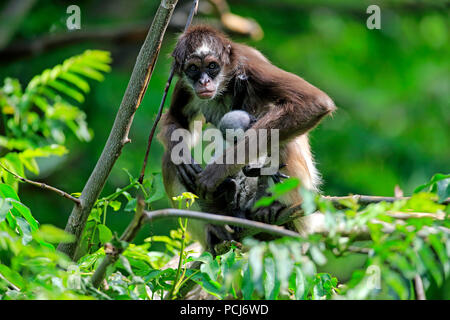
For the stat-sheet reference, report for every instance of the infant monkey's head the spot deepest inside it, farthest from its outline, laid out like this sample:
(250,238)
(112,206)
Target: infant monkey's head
(236,120)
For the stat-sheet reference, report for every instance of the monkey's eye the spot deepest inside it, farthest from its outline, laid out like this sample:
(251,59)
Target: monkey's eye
(193,68)
(213,65)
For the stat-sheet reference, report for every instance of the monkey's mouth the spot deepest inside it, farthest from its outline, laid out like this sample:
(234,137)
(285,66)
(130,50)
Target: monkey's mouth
(206,94)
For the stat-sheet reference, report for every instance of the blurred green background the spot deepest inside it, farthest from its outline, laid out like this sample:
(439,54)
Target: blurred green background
(391,87)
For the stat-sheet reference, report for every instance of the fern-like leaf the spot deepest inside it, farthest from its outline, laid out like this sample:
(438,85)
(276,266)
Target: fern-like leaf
(67,78)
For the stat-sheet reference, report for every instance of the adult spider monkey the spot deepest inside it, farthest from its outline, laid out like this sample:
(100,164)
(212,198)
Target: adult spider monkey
(217,76)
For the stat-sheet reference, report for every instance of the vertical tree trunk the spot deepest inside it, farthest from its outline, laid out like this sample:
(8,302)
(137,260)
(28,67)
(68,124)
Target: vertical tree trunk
(118,136)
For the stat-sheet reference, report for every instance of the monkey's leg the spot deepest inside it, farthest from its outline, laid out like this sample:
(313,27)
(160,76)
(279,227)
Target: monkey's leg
(181,178)
(174,177)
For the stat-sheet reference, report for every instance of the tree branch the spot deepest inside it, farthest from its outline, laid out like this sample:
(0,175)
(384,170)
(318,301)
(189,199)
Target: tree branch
(295,212)
(316,226)
(142,217)
(365,200)
(43,186)
(119,133)
(113,253)
(218,220)
(10,18)
(192,12)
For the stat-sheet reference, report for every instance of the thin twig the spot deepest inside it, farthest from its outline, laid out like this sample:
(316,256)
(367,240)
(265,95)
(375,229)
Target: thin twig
(142,217)
(418,288)
(43,186)
(163,100)
(364,200)
(220,220)
(155,123)
(292,213)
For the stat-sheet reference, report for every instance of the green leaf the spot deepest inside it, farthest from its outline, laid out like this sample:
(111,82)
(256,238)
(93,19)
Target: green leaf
(52,234)
(300,292)
(30,164)
(285,186)
(264,202)
(283,262)
(47,151)
(7,192)
(210,266)
(158,191)
(430,263)
(88,72)
(60,86)
(308,203)
(443,189)
(277,191)
(25,230)
(12,276)
(23,210)
(271,283)
(95,215)
(115,205)
(12,162)
(105,233)
(317,255)
(255,262)
(131,205)
(5,206)
(210,286)
(439,248)
(439,184)
(126,264)
(18,144)
(76,80)
(395,281)
(247,284)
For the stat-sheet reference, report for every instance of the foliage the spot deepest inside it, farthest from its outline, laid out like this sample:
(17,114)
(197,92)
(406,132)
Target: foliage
(391,87)
(397,251)
(34,119)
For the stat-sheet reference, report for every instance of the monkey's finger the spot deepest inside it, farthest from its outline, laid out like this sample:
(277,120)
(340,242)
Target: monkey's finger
(186,180)
(196,167)
(189,170)
(200,188)
(276,178)
(282,175)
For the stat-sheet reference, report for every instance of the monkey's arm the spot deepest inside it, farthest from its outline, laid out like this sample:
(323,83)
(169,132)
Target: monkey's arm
(174,119)
(297,108)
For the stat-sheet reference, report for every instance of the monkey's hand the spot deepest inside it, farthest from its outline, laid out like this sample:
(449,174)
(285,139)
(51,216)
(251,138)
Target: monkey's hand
(188,173)
(210,178)
(268,214)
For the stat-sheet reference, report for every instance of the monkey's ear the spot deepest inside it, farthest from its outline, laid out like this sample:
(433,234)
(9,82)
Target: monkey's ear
(228,48)
(226,53)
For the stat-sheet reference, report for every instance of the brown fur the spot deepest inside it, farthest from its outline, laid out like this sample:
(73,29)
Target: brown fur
(278,99)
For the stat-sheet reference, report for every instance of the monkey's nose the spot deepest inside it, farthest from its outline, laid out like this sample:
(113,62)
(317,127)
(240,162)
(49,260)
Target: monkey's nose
(204,82)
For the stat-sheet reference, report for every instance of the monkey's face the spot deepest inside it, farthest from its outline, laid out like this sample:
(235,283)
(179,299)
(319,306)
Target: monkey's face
(204,75)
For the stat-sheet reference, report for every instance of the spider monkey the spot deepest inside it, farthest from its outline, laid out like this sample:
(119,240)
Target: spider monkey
(216,76)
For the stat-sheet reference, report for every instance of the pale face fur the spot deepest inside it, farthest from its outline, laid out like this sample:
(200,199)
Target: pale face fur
(204,73)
